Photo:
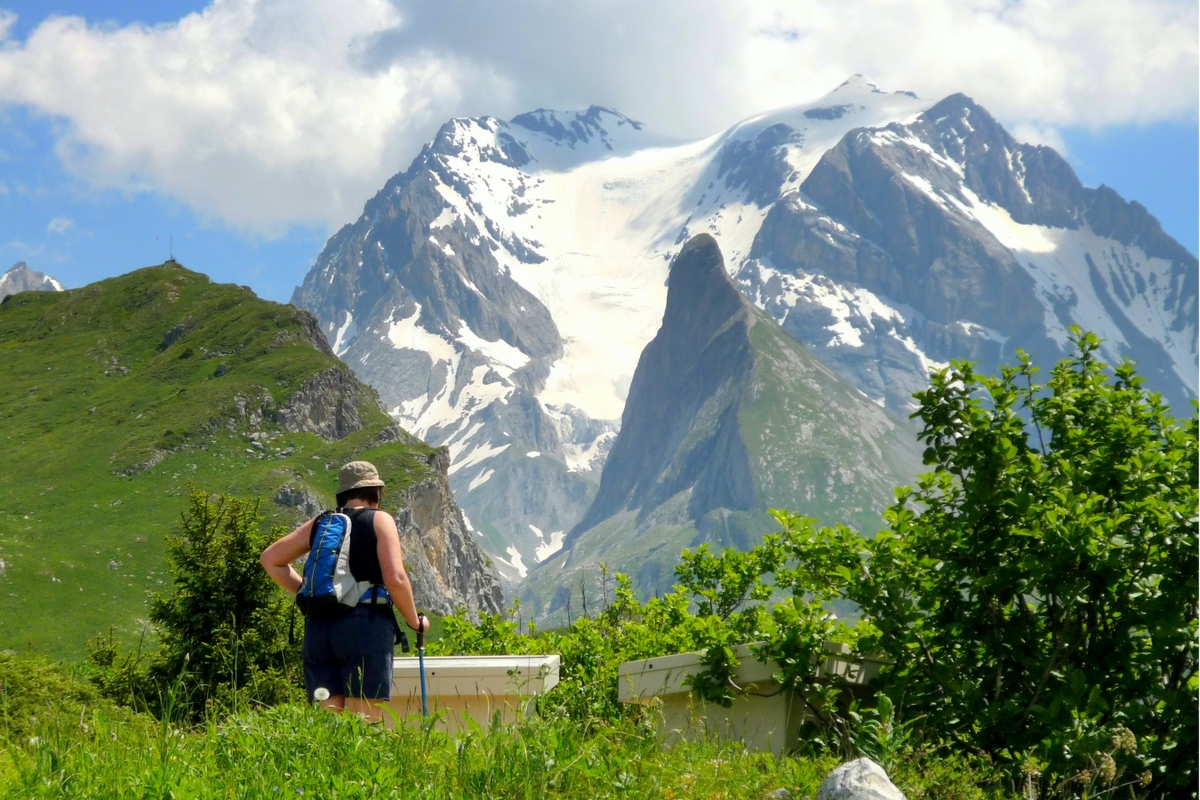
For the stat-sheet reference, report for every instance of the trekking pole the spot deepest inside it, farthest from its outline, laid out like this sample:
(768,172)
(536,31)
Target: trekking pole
(421,661)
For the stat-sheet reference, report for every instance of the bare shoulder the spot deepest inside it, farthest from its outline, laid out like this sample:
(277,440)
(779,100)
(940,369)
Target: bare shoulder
(384,522)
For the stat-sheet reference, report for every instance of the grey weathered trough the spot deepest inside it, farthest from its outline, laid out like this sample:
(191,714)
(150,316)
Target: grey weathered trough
(764,718)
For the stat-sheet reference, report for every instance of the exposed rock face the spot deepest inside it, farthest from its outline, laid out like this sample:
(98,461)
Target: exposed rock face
(446,566)
(300,497)
(725,407)
(680,428)
(21,278)
(862,779)
(326,404)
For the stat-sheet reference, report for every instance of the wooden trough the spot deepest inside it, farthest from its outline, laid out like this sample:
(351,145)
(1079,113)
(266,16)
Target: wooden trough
(477,686)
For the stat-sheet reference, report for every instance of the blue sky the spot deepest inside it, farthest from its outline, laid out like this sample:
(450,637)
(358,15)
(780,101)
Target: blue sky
(79,204)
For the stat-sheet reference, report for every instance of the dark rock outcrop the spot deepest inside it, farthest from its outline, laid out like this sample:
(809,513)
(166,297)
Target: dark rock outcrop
(302,498)
(327,404)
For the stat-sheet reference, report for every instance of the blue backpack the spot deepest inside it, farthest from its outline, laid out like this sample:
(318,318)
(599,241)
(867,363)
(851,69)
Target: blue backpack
(329,589)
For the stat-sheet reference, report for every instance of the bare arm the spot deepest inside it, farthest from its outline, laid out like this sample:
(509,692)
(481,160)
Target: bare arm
(277,559)
(392,565)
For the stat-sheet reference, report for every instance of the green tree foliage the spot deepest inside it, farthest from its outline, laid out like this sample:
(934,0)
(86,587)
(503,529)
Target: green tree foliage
(1037,591)
(223,630)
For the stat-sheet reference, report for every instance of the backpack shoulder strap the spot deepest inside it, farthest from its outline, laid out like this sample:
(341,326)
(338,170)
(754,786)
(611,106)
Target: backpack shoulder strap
(312,531)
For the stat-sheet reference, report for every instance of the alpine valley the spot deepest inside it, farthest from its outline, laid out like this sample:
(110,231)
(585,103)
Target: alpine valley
(511,296)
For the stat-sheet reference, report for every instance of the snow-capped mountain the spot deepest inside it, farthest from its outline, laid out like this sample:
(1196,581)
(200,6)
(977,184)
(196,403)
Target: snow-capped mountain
(20,278)
(500,291)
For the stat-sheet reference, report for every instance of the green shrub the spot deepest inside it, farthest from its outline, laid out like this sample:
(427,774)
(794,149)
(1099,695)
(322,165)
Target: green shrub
(223,631)
(1037,592)
(719,602)
(33,688)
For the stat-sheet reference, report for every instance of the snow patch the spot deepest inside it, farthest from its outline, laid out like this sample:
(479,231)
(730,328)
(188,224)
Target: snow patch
(515,561)
(474,455)
(855,310)
(345,335)
(547,549)
(480,479)
(498,352)
(407,334)
(444,219)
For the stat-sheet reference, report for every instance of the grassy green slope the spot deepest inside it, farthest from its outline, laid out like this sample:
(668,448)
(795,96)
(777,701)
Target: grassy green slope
(95,391)
(817,446)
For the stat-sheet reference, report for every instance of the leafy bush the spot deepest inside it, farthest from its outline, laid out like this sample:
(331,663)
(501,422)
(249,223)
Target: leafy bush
(223,630)
(719,602)
(1038,591)
(35,691)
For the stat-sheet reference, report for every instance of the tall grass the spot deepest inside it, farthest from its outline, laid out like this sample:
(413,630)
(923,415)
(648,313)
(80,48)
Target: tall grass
(296,751)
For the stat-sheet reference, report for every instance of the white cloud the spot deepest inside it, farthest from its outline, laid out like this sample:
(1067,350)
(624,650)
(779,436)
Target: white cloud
(60,225)
(700,64)
(268,112)
(251,112)
(1032,133)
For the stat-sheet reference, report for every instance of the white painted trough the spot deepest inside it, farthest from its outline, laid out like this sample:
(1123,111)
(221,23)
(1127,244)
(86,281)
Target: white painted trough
(479,686)
(764,718)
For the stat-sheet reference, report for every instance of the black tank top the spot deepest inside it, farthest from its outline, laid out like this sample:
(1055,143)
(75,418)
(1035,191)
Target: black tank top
(364,547)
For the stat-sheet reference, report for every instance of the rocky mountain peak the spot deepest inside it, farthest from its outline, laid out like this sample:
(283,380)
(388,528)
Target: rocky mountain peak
(20,278)
(572,127)
(701,298)
(501,292)
(694,419)
(727,417)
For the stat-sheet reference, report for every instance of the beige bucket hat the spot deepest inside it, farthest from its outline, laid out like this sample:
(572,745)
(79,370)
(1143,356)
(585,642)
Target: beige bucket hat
(357,474)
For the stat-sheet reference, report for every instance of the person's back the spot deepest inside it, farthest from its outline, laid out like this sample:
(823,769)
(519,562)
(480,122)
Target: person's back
(348,653)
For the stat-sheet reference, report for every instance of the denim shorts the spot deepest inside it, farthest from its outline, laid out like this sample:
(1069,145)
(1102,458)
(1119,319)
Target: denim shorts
(350,655)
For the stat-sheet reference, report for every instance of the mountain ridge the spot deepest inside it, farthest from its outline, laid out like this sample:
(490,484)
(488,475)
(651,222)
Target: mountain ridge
(499,292)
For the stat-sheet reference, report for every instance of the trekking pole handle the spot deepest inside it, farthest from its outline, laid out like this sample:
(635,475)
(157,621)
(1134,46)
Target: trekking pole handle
(420,630)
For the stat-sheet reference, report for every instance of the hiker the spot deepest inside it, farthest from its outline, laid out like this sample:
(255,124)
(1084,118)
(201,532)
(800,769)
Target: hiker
(348,650)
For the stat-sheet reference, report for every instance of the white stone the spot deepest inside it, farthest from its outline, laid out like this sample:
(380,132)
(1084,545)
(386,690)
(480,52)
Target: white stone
(862,779)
